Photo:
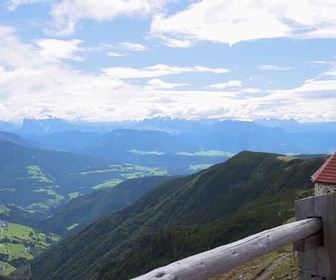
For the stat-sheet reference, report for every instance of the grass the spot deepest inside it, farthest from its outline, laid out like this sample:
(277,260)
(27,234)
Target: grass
(136,171)
(283,259)
(24,233)
(285,158)
(196,167)
(47,203)
(123,168)
(112,176)
(73,195)
(4,209)
(15,251)
(281,263)
(72,226)
(35,172)
(144,153)
(83,173)
(288,269)
(145,173)
(38,206)
(107,184)
(50,192)
(8,190)
(18,241)
(208,153)
(125,172)
(6,269)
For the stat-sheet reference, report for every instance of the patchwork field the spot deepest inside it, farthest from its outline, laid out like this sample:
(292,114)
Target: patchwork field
(20,243)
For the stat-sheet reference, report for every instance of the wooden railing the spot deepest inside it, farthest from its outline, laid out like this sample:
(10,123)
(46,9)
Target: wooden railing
(313,236)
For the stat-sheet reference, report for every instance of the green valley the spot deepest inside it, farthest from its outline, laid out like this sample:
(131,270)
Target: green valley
(39,180)
(20,243)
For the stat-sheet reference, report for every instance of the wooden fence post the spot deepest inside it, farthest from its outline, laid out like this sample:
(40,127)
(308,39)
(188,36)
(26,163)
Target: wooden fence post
(317,254)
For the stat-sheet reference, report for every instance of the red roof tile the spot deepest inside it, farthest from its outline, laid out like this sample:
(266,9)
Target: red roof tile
(327,172)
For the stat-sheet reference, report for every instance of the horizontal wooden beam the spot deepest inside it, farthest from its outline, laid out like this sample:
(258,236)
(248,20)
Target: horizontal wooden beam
(224,258)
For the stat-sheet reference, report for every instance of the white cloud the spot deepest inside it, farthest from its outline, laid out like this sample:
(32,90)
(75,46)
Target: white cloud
(321,87)
(120,49)
(115,54)
(159,84)
(32,84)
(178,43)
(59,49)
(317,87)
(68,13)
(268,67)
(13,4)
(331,72)
(314,100)
(13,53)
(229,84)
(208,20)
(251,90)
(157,71)
(319,62)
(244,20)
(132,47)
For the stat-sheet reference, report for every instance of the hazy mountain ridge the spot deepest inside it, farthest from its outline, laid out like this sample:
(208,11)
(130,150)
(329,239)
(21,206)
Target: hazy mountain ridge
(277,132)
(52,125)
(16,139)
(186,146)
(252,188)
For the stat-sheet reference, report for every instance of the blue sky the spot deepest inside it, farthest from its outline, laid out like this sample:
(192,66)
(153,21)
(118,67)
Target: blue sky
(106,60)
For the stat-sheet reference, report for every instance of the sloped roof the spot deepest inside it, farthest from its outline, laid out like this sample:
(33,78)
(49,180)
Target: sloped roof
(327,172)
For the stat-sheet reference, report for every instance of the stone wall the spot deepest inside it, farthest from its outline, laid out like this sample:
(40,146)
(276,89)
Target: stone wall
(321,188)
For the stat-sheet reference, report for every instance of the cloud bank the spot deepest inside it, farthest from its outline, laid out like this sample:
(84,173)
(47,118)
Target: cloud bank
(232,22)
(48,75)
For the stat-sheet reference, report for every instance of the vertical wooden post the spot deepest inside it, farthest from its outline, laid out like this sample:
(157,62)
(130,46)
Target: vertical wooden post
(319,262)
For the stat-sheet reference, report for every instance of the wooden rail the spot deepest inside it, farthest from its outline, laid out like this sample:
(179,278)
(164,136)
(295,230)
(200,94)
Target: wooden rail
(224,258)
(313,235)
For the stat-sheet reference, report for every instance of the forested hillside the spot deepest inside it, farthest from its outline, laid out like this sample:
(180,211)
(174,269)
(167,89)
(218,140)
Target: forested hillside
(248,193)
(83,210)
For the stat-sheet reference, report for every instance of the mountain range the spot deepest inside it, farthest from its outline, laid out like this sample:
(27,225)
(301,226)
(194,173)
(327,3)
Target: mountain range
(128,197)
(246,194)
(179,147)
(53,125)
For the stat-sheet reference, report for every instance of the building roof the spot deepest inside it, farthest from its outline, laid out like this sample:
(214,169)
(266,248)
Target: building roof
(327,172)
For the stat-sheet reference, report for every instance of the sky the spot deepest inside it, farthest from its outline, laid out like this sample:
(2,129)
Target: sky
(113,60)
